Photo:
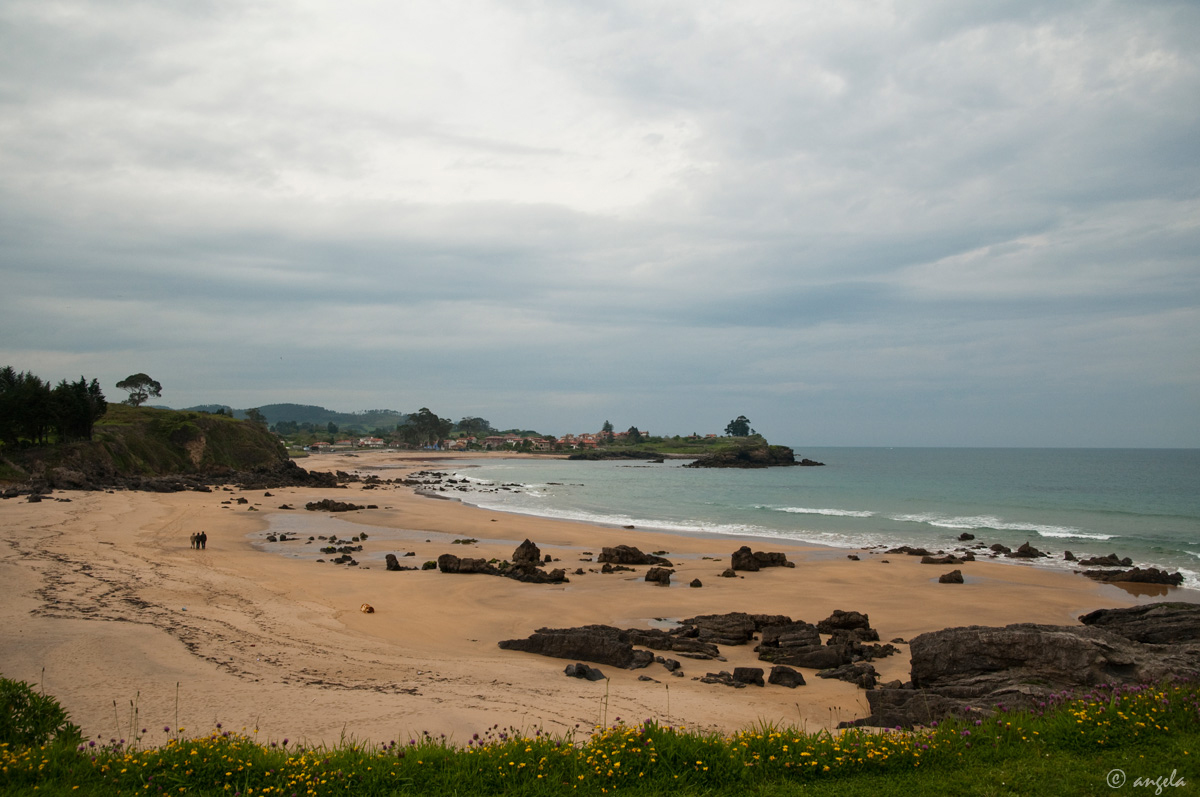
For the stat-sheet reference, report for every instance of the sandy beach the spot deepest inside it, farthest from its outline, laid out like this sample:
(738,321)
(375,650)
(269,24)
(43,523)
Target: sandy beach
(108,607)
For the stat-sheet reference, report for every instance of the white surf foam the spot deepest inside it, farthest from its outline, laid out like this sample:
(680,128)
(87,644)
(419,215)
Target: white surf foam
(802,510)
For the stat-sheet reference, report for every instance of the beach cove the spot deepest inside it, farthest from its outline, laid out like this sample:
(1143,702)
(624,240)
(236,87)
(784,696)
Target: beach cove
(110,610)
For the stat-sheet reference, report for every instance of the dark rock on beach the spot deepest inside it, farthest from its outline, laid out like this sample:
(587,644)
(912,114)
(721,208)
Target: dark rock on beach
(660,576)
(1136,575)
(752,676)
(745,559)
(1026,551)
(629,555)
(976,668)
(601,644)
(1112,560)
(785,676)
(859,673)
(527,553)
(734,628)
(329,505)
(581,670)
(953,577)
(841,620)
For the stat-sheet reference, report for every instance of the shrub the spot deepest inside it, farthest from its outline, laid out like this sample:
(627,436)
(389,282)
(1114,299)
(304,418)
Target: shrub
(28,718)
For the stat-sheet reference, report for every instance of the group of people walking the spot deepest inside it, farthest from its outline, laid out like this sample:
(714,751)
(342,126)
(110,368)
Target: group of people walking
(199,539)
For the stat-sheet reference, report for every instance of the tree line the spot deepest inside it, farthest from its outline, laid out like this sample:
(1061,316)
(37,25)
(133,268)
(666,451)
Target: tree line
(33,412)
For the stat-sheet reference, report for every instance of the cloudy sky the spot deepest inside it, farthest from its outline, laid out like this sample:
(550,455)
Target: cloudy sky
(857,223)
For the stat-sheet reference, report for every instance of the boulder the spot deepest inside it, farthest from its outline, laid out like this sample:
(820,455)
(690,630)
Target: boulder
(948,559)
(1026,551)
(785,676)
(752,676)
(859,673)
(799,645)
(660,576)
(1112,560)
(910,551)
(527,553)
(745,559)
(581,670)
(844,620)
(845,636)
(326,505)
(723,677)
(449,563)
(696,584)
(601,644)
(629,555)
(734,628)
(1150,575)
(531,574)
(953,577)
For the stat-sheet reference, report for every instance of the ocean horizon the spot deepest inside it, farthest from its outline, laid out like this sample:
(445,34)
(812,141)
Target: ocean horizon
(1136,503)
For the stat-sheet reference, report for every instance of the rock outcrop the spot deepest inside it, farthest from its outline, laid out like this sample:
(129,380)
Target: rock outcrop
(1137,575)
(523,568)
(660,576)
(329,505)
(977,668)
(745,559)
(1155,624)
(629,555)
(759,456)
(601,644)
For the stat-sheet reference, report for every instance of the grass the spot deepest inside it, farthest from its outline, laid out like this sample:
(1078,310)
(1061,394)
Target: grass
(151,441)
(1068,746)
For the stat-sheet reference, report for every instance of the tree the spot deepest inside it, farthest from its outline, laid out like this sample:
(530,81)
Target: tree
(424,428)
(287,428)
(606,432)
(254,415)
(140,387)
(738,427)
(633,436)
(331,428)
(25,410)
(473,426)
(75,407)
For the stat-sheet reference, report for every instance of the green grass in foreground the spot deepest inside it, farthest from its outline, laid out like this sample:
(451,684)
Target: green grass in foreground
(1072,746)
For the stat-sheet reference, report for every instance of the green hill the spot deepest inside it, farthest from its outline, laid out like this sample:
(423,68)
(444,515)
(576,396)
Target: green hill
(363,421)
(148,441)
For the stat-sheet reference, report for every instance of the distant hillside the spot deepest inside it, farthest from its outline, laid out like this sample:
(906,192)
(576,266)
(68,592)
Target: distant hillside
(318,416)
(147,441)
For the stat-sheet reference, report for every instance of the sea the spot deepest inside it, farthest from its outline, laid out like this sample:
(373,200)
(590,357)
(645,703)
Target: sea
(1138,503)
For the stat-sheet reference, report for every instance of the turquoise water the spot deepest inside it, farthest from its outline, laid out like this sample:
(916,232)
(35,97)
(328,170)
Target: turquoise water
(1144,504)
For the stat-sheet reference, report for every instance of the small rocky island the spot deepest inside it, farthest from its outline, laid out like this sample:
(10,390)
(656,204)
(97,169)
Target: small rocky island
(751,456)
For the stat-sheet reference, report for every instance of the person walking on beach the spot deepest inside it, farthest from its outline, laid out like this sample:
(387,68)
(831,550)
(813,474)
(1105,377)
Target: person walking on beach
(202,538)
(195,540)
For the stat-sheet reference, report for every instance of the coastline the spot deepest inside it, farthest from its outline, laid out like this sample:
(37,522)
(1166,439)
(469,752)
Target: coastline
(107,597)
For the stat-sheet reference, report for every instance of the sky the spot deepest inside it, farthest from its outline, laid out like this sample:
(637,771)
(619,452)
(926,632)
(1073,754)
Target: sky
(857,223)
